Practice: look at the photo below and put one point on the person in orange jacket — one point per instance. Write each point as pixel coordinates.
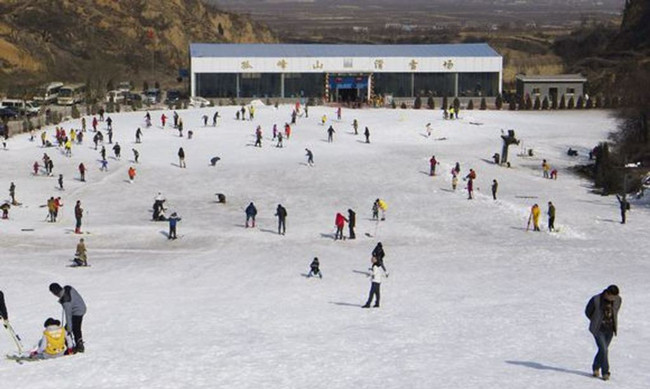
(339, 221)
(131, 173)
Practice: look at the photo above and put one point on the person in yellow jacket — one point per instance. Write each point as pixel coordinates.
(68, 148)
(534, 215)
(54, 343)
(383, 207)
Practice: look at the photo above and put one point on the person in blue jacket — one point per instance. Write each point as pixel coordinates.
(173, 220)
(251, 212)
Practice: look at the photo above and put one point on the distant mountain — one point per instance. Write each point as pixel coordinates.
(86, 40)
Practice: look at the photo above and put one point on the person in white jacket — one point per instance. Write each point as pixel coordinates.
(376, 275)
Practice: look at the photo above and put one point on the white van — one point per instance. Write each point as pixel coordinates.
(20, 106)
(48, 93)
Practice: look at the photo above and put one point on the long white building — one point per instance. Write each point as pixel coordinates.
(344, 72)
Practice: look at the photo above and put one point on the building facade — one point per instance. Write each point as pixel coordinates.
(343, 72)
(568, 85)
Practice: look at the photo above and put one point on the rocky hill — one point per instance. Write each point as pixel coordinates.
(95, 41)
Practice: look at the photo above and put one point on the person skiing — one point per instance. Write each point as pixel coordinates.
(215, 117)
(281, 213)
(12, 193)
(104, 166)
(457, 168)
(35, 167)
(109, 123)
(375, 210)
(110, 136)
(80, 256)
(310, 157)
(136, 155)
(95, 123)
(352, 222)
(429, 129)
(339, 221)
(323, 120)
(116, 150)
(3, 308)
(470, 177)
(624, 205)
(551, 217)
(82, 172)
(54, 343)
(375, 286)
(131, 173)
(383, 207)
(495, 187)
(243, 113)
(5, 210)
(294, 114)
(214, 160)
(279, 144)
(258, 136)
(314, 269)
(181, 158)
(180, 127)
(546, 168)
(534, 216)
(432, 165)
(366, 133)
(163, 119)
(138, 135)
(173, 220)
(78, 214)
(74, 308)
(60, 180)
(338, 113)
(355, 125)
(602, 312)
(330, 134)
(287, 130)
(251, 212)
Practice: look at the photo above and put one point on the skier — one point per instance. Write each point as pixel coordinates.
(352, 222)
(367, 135)
(545, 169)
(180, 127)
(136, 155)
(54, 343)
(110, 136)
(383, 207)
(104, 166)
(214, 160)
(355, 125)
(495, 186)
(251, 112)
(275, 131)
(138, 135)
(102, 152)
(109, 124)
(470, 177)
(258, 136)
(74, 308)
(375, 210)
(243, 113)
(83, 124)
(428, 129)
(602, 311)
(215, 117)
(205, 120)
(279, 144)
(43, 138)
(310, 157)
(624, 205)
(101, 114)
(378, 252)
(432, 165)
(293, 117)
(80, 256)
(457, 168)
(251, 212)
(338, 113)
(51, 210)
(181, 158)
(323, 120)
(78, 214)
(330, 134)
(287, 130)
(5, 210)
(131, 174)
(60, 182)
(176, 119)
(551, 216)
(3, 309)
(116, 150)
(12, 193)
(281, 213)
(534, 216)
(173, 220)
(339, 221)
(95, 123)
(553, 174)
(314, 269)
(375, 286)
(163, 119)
(35, 167)
(82, 172)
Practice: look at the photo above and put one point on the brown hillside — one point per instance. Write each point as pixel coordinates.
(98, 40)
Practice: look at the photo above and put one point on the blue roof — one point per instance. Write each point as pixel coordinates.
(339, 50)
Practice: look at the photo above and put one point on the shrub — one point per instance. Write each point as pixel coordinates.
(571, 104)
(483, 104)
(615, 102)
(470, 105)
(393, 104)
(554, 102)
(580, 104)
(607, 102)
(456, 103)
(75, 112)
(589, 104)
(498, 102)
(521, 103)
(512, 105)
(529, 103)
(599, 101)
(562, 103)
(431, 103)
(538, 104)
(403, 106)
(445, 103)
(417, 104)
(545, 103)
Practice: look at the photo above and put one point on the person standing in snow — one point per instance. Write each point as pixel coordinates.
(116, 149)
(534, 217)
(366, 133)
(383, 207)
(376, 273)
(279, 144)
(138, 135)
(3, 308)
(551, 217)
(375, 210)
(339, 221)
(428, 129)
(281, 213)
(624, 205)
(181, 158)
(314, 269)
(258, 136)
(546, 168)
(378, 252)
(215, 117)
(495, 187)
(470, 177)
(338, 113)
(330, 134)
(78, 214)
(173, 220)
(602, 312)
(12, 193)
(432, 164)
(82, 172)
(251, 212)
(355, 125)
(352, 222)
(310, 157)
(136, 155)
(131, 173)
(60, 182)
(74, 308)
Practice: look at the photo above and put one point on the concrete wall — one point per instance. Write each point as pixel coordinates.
(526, 88)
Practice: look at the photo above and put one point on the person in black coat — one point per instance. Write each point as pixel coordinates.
(3, 308)
(352, 222)
(281, 213)
(378, 252)
(251, 211)
(624, 205)
(602, 312)
(315, 269)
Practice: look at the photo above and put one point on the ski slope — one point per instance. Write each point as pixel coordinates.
(473, 300)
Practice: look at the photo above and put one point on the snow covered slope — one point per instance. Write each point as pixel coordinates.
(472, 300)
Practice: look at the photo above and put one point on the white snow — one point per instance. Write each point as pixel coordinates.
(472, 301)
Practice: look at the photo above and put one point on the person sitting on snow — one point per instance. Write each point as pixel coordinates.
(54, 343)
(314, 269)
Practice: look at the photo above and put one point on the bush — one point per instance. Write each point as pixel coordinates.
(599, 102)
(75, 112)
(538, 104)
(589, 103)
(562, 103)
(445, 103)
(431, 103)
(456, 103)
(483, 104)
(615, 102)
(110, 107)
(403, 106)
(607, 102)
(498, 102)
(545, 103)
(521, 104)
(393, 104)
(529, 103)
(417, 104)
(571, 104)
(580, 104)
(554, 102)
(470, 105)
(512, 105)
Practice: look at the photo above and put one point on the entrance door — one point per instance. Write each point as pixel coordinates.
(349, 88)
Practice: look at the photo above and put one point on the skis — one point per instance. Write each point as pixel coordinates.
(14, 336)
(20, 357)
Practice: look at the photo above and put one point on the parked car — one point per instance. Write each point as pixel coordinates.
(124, 86)
(8, 114)
(22, 107)
(152, 96)
(117, 96)
(130, 98)
(199, 102)
(173, 96)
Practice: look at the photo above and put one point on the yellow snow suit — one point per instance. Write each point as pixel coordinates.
(55, 341)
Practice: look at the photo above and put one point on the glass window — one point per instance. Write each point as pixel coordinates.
(304, 85)
(434, 84)
(216, 84)
(478, 84)
(259, 85)
(570, 90)
(536, 91)
(397, 84)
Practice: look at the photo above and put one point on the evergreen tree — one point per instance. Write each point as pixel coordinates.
(418, 103)
(444, 103)
(554, 102)
(498, 102)
(545, 103)
(431, 103)
(512, 106)
(562, 103)
(580, 104)
(483, 104)
(571, 104)
(470, 105)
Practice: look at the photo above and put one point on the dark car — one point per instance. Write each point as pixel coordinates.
(130, 98)
(8, 113)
